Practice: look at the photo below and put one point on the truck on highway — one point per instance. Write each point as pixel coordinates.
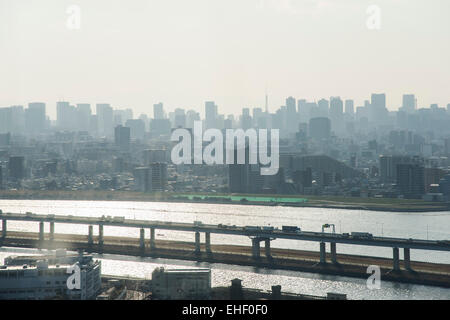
(362, 235)
(119, 219)
(290, 229)
(268, 228)
(252, 228)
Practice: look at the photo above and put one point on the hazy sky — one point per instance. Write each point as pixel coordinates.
(134, 53)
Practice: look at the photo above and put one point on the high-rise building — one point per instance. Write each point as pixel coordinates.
(191, 117)
(336, 114)
(122, 137)
(388, 166)
(303, 113)
(179, 118)
(105, 119)
(323, 107)
(411, 180)
(35, 118)
(409, 103)
(84, 114)
(142, 179)
(159, 176)
(210, 114)
(239, 174)
(16, 167)
(292, 119)
(66, 117)
(17, 119)
(5, 120)
(378, 112)
(246, 119)
(349, 107)
(158, 111)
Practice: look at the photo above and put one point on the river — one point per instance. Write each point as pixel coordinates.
(428, 225)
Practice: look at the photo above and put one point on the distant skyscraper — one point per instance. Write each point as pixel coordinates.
(65, 115)
(210, 114)
(84, 114)
(336, 114)
(302, 111)
(16, 119)
(323, 106)
(409, 103)
(191, 116)
(142, 179)
(179, 118)
(35, 118)
(16, 167)
(122, 137)
(349, 107)
(411, 180)
(159, 176)
(105, 119)
(378, 111)
(246, 119)
(158, 111)
(291, 115)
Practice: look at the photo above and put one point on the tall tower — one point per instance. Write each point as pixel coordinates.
(267, 102)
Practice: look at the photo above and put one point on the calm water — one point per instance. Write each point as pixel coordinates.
(407, 225)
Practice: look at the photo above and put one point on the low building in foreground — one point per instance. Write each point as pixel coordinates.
(181, 284)
(44, 281)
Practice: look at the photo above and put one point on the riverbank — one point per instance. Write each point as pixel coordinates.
(350, 203)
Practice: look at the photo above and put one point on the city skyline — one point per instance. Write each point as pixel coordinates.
(231, 52)
(51, 108)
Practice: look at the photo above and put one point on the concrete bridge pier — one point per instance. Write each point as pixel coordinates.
(208, 242)
(267, 248)
(90, 235)
(4, 221)
(152, 239)
(41, 232)
(197, 242)
(142, 241)
(100, 236)
(256, 249)
(396, 260)
(322, 253)
(333, 252)
(407, 258)
(52, 231)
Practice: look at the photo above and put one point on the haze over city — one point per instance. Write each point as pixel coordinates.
(133, 54)
(224, 150)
